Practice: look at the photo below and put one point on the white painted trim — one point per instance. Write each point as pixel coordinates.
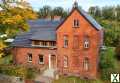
(49, 61)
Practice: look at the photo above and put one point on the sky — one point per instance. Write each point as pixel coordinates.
(67, 4)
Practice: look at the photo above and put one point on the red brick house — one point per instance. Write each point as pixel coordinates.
(70, 46)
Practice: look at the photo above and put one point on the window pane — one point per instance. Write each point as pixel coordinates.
(29, 57)
(86, 64)
(36, 42)
(41, 59)
(86, 42)
(76, 23)
(65, 61)
(65, 41)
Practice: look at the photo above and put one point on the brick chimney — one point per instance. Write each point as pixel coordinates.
(57, 17)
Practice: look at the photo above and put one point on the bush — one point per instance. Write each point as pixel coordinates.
(107, 59)
(117, 52)
(17, 71)
(107, 63)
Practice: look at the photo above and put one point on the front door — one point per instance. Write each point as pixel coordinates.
(53, 61)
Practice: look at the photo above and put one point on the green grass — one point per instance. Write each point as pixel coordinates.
(6, 59)
(73, 79)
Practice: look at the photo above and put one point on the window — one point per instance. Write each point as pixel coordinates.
(41, 59)
(65, 41)
(65, 61)
(36, 42)
(29, 57)
(52, 43)
(43, 43)
(76, 23)
(86, 64)
(76, 41)
(86, 42)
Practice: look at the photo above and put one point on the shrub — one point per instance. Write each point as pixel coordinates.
(107, 63)
(17, 71)
(107, 59)
(117, 52)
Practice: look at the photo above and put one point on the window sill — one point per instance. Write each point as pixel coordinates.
(76, 27)
(41, 63)
(29, 61)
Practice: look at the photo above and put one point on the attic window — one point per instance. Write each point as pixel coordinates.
(76, 23)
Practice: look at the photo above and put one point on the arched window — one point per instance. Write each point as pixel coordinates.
(29, 57)
(65, 61)
(86, 64)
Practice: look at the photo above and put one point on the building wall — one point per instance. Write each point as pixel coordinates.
(76, 56)
(21, 57)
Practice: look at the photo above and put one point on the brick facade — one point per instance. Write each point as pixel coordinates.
(76, 56)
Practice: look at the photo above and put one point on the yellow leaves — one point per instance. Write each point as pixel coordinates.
(12, 20)
(2, 45)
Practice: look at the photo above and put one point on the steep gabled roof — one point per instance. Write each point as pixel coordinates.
(89, 18)
(43, 29)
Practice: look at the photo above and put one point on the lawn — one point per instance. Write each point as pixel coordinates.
(73, 79)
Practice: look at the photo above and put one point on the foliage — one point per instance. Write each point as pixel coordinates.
(107, 59)
(117, 51)
(17, 71)
(72, 79)
(12, 21)
(108, 17)
(107, 63)
(2, 46)
(47, 11)
(6, 60)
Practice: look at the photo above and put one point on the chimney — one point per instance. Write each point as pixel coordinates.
(57, 17)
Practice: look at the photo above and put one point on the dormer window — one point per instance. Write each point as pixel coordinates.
(76, 23)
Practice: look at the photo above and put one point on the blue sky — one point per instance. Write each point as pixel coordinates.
(67, 4)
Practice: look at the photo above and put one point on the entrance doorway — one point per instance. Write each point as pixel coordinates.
(53, 61)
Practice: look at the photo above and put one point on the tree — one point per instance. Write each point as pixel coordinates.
(13, 20)
(45, 12)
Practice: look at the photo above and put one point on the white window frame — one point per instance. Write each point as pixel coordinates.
(39, 59)
(65, 41)
(29, 58)
(65, 62)
(76, 23)
(86, 64)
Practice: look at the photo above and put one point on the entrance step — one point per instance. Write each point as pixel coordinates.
(43, 79)
(49, 73)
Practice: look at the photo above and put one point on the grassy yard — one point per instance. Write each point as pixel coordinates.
(72, 79)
